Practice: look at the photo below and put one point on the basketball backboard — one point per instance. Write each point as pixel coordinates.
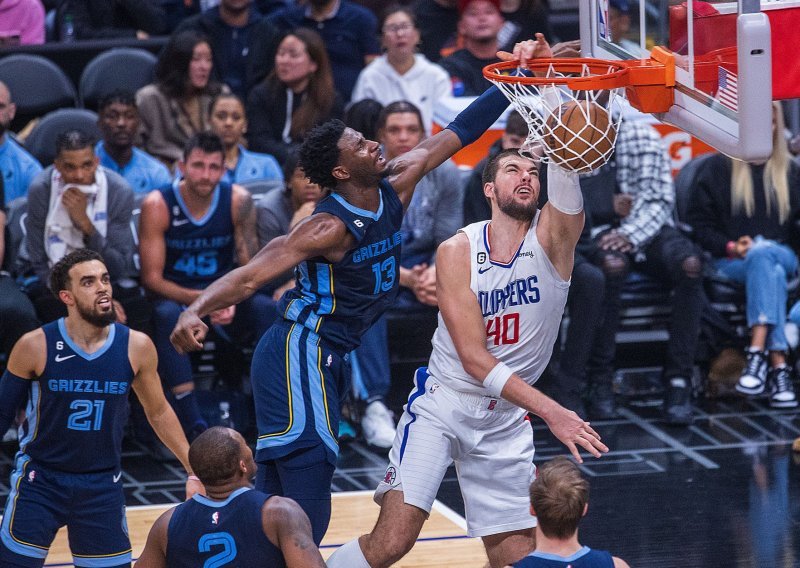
(724, 61)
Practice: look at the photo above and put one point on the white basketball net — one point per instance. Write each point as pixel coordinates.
(555, 133)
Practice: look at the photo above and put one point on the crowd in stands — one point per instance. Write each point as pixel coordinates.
(236, 88)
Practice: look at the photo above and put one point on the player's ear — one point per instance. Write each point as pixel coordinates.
(488, 189)
(533, 511)
(341, 173)
(585, 509)
(243, 468)
(66, 297)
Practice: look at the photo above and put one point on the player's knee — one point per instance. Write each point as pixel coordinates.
(692, 267)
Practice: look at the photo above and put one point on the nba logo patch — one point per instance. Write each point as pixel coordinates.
(215, 518)
(329, 361)
(391, 475)
(31, 476)
(481, 257)
(492, 404)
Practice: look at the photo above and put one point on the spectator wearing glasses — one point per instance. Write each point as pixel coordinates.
(401, 74)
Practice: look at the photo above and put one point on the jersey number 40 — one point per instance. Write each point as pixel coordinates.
(503, 330)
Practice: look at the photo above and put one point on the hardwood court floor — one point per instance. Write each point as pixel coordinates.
(443, 542)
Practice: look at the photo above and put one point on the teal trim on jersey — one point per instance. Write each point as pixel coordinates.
(547, 556)
(21, 548)
(112, 332)
(319, 395)
(203, 500)
(357, 210)
(32, 414)
(179, 198)
(105, 561)
(296, 306)
(297, 408)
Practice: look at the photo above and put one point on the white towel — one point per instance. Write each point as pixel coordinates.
(61, 237)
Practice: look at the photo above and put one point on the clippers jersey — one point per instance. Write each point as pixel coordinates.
(198, 250)
(522, 303)
(340, 301)
(584, 558)
(227, 533)
(78, 407)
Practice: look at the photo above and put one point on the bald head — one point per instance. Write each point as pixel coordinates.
(7, 108)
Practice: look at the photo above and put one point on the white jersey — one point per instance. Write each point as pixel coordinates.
(522, 304)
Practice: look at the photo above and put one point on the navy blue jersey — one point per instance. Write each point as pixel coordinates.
(79, 405)
(198, 250)
(584, 558)
(339, 301)
(226, 533)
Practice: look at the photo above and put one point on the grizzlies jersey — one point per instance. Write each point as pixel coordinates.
(522, 303)
(198, 250)
(584, 558)
(340, 301)
(226, 533)
(78, 407)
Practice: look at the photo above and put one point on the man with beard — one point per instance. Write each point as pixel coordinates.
(348, 252)
(118, 121)
(17, 166)
(247, 527)
(76, 374)
(501, 287)
(193, 231)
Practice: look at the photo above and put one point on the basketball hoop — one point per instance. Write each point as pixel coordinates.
(573, 105)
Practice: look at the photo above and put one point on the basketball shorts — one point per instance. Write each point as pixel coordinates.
(488, 439)
(41, 501)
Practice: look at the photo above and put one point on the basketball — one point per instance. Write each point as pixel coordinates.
(580, 136)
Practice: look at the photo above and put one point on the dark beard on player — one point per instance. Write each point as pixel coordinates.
(515, 210)
(98, 319)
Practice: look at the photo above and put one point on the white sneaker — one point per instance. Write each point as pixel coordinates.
(378, 425)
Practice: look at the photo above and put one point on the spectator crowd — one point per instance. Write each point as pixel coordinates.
(237, 86)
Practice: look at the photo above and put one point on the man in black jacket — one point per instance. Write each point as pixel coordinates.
(242, 41)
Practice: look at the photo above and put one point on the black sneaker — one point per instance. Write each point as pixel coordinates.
(678, 402)
(781, 391)
(754, 375)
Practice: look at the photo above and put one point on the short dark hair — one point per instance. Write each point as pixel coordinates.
(172, 69)
(206, 142)
(393, 9)
(73, 139)
(214, 456)
(559, 495)
(59, 274)
(490, 171)
(398, 107)
(121, 96)
(222, 97)
(363, 116)
(319, 153)
(516, 125)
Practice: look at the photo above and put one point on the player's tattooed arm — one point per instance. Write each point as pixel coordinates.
(244, 229)
(287, 527)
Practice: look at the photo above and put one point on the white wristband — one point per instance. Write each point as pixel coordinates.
(497, 379)
(563, 190)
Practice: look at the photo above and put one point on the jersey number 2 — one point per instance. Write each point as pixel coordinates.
(504, 330)
(385, 273)
(223, 539)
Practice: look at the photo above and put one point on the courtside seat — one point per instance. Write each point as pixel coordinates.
(125, 68)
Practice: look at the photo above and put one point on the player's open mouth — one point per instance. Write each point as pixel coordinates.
(104, 301)
(523, 190)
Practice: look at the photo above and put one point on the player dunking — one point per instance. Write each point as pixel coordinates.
(502, 286)
(348, 255)
(234, 525)
(76, 374)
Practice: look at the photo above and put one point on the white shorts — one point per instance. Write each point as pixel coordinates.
(490, 442)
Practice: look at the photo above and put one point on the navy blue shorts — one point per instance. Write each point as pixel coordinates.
(41, 501)
(297, 383)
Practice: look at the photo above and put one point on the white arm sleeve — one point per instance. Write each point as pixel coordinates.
(563, 190)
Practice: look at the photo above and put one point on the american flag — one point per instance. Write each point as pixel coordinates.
(727, 92)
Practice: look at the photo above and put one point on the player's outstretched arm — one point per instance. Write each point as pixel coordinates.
(25, 362)
(467, 127)
(462, 315)
(154, 554)
(318, 235)
(147, 385)
(562, 218)
(287, 527)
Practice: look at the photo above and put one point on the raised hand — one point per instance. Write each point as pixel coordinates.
(529, 49)
(189, 333)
